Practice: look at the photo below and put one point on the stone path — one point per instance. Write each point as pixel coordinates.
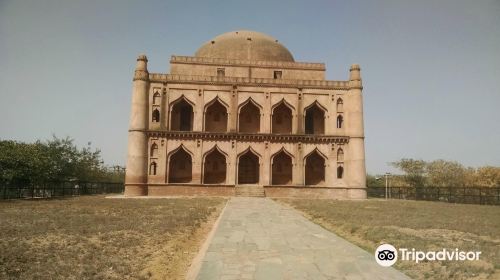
(258, 238)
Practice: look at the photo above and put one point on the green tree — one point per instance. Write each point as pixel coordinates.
(441, 173)
(414, 171)
(488, 176)
(53, 160)
(374, 181)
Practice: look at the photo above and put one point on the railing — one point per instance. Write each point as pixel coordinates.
(262, 63)
(470, 195)
(158, 77)
(59, 189)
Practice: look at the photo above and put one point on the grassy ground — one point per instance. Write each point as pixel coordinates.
(416, 224)
(99, 238)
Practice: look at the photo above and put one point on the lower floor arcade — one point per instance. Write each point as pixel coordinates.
(235, 162)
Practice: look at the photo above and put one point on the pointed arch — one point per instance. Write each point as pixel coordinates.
(315, 165)
(316, 103)
(215, 116)
(283, 101)
(216, 99)
(251, 150)
(282, 117)
(249, 100)
(282, 150)
(217, 148)
(152, 168)
(182, 114)
(181, 98)
(316, 150)
(340, 154)
(155, 115)
(248, 167)
(249, 116)
(180, 165)
(153, 152)
(340, 121)
(156, 98)
(181, 147)
(214, 166)
(314, 118)
(340, 105)
(281, 167)
(340, 172)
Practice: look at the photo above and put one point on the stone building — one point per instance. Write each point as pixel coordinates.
(242, 117)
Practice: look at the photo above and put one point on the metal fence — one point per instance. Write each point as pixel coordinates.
(471, 195)
(59, 189)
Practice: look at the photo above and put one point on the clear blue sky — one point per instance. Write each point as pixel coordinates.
(431, 69)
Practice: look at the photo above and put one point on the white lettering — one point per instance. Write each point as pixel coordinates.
(420, 256)
(441, 255)
(403, 254)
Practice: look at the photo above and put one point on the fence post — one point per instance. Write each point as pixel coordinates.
(480, 196)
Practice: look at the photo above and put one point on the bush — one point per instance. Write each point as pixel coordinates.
(52, 160)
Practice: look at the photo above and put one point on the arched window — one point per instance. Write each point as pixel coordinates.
(180, 167)
(340, 121)
(281, 169)
(248, 168)
(340, 155)
(282, 119)
(340, 172)
(214, 169)
(154, 150)
(156, 99)
(314, 169)
(249, 118)
(314, 120)
(152, 168)
(182, 116)
(216, 117)
(340, 105)
(156, 115)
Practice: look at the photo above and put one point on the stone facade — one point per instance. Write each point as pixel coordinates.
(243, 112)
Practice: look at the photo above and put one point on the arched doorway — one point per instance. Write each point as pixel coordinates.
(216, 117)
(214, 168)
(281, 169)
(282, 119)
(180, 167)
(249, 118)
(314, 169)
(182, 116)
(314, 120)
(248, 168)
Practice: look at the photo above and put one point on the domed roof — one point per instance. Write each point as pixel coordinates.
(245, 45)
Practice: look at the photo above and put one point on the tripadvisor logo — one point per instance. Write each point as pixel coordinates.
(387, 255)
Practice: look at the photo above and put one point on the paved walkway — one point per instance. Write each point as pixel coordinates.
(258, 238)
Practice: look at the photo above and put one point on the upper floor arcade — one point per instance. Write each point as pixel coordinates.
(219, 109)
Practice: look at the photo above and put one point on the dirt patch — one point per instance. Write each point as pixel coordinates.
(173, 260)
(98, 238)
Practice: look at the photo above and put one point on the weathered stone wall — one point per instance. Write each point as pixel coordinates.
(155, 125)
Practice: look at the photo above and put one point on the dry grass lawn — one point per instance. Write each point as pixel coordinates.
(416, 224)
(97, 238)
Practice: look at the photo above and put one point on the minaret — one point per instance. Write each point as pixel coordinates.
(137, 165)
(355, 169)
